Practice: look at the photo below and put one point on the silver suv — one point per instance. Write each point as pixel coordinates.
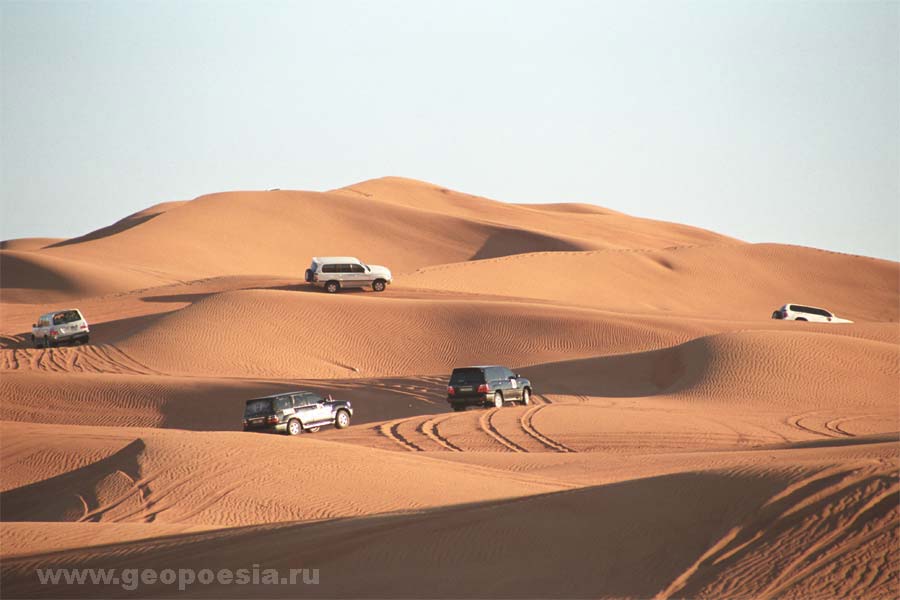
(336, 272)
(60, 327)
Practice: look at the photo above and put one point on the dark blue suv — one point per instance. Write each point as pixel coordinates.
(486, 386)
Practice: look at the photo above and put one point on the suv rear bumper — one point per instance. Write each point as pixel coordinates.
(471, 400)
(72, 337)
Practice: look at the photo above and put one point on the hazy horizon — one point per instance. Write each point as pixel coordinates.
(766, 122)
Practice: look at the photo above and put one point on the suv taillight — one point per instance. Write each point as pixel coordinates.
(272, 420)
(450, 390)
(484, 388)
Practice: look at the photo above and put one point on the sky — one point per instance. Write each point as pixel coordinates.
(766, 121)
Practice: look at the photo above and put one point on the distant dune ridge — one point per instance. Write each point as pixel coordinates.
(680, 442)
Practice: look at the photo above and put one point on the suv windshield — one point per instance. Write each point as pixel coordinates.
(67, 316)
(466, 376)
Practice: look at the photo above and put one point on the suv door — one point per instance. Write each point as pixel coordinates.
(304, 408)
(360, 277)
(319, 411)
(515, 392)
(494, 377)
(344, 275)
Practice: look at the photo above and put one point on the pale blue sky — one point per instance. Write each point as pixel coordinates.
(768, 121)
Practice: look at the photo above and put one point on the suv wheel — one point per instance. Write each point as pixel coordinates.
(294, 427)
(498, 400)
(459, 407)
(378, 285)
(526, 396)
(332, 286)
(342, 421)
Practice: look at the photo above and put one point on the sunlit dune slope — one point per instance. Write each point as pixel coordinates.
(287, 334)
(708, 533)
(26, 244)
(765, 369)
(600, 227)
(404, 224)
(734, 281)
(227, 479)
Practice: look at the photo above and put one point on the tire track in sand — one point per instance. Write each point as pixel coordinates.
(527, 425)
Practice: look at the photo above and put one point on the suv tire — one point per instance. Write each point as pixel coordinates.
(294, 427)
(332, 287)
(526, 397)
(378, 285)
(342, 419)
(458, 407)
(498, 400)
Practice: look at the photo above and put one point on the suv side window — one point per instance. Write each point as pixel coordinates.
(494, 374)
(329, 269)
(357, 269)
(300, 400)
(344, 269)
(507, 374)
(314, 398)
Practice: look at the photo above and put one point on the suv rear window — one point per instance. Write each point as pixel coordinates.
(67, 316)
(258, 407)
(266, 406)
(466, 376)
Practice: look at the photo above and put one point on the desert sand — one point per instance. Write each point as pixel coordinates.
(680, 443)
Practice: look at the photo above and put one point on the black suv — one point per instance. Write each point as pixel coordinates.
(296, 412)
(486, 386)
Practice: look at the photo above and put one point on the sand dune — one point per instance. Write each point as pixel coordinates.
(26, 244)
(752, 279)
(680, 443)
(220, 234)
(285, 479)
(272, 333)
(27, 276)
(717, 532)
(598, 227)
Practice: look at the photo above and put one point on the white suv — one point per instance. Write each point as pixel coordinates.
(59, 327)
(798, 312)
(336, 272)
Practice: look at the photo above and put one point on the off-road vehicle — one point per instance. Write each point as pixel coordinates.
(487, 386)
(295, 412)
(334, 273)
(60, 327)
(798, 312)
